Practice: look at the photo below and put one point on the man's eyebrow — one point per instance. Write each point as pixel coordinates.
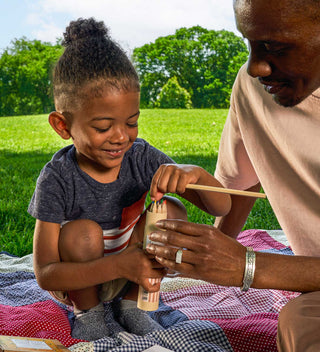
(111, 118)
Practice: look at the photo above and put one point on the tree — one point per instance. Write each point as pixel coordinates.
(205, 63)
(25, 77)
(172, 95)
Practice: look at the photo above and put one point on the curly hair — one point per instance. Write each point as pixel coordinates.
(91, 62)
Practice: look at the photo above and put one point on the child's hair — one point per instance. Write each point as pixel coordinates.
(91, 62)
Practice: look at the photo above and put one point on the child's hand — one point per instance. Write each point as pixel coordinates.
(137, 266)
(173, 178)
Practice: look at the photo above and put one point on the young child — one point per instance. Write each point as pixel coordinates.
(89, 199)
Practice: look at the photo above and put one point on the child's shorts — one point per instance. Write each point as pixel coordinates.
(107, 292)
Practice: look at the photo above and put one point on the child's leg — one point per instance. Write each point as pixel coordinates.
(175, 208)
(81, 241)
(133, 319)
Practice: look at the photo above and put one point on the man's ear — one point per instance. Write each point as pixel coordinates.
(59, 123)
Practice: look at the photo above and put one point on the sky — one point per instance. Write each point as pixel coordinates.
(132, 23)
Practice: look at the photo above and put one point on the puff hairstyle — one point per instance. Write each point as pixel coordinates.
(90, 62)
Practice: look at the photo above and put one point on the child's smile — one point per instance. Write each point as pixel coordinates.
(115, 153)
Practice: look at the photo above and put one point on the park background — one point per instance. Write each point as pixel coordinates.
(186, 81)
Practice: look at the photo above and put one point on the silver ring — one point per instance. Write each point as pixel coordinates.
(179, 256)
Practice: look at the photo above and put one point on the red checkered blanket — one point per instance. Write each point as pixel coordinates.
(248, 320)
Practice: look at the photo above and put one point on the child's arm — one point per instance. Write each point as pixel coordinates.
(54, 275)
(173, 178)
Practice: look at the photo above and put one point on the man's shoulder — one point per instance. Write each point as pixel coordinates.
(248, 91)
(246, 82)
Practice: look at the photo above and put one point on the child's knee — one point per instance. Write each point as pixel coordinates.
(81, 240)
(175, 208)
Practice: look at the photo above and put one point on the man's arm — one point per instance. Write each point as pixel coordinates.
(212, 256)
(232, 223)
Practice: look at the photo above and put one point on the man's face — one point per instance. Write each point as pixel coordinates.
(284, 46)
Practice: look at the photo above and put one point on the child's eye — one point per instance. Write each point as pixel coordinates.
(133, 124)
(101, 130)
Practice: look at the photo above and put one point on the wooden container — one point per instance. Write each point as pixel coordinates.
(29, 344)
(149, 301)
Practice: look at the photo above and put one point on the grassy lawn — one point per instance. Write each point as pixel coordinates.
(28, 142)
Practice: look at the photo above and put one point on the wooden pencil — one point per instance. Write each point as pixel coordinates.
(226, 190)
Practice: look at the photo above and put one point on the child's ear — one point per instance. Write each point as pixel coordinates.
(59, 123)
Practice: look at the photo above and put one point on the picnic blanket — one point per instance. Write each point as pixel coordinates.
(197, 316)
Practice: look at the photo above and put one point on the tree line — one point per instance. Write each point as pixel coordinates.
(25, 77)
(193, 68)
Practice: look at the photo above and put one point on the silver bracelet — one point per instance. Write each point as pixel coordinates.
(249, 269)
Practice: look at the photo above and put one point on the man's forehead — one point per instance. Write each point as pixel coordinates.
(289, 5)
(278, 12)
(257, 4)
(271, 20)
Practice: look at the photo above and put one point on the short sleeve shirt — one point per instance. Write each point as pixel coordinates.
(64, 192)
(278, 146)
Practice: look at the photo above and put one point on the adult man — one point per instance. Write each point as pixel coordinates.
(270, 139)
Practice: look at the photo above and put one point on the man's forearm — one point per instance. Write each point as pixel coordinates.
(287, 272)
(233, 222)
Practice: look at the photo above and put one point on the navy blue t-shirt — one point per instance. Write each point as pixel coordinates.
(64, 192)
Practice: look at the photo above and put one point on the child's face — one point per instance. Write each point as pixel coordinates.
(103, 131)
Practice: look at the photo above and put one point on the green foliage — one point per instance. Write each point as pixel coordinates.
(25, 77)
(172, 95)
(28, 142)
(205, 63)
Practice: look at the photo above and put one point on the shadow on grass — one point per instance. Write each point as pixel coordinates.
(18, 175)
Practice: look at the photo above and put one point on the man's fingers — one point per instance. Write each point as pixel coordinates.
(172, 254)
(188, 237)
(186, 268)
(185, 227)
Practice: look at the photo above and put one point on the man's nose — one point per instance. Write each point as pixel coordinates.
(258, 65)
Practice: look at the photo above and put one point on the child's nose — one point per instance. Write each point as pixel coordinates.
(119, 135)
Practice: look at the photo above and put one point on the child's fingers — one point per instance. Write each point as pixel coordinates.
(168, 179)
(154, 192)
(163, 178)
(151, 285)
(157, 196)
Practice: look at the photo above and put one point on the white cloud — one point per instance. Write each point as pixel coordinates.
(133, 23)
(44, 31)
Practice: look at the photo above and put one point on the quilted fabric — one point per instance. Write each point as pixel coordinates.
(197, 316)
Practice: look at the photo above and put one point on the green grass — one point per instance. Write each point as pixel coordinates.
(28, 142)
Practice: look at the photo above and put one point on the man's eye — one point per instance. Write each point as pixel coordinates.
(274, 49)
